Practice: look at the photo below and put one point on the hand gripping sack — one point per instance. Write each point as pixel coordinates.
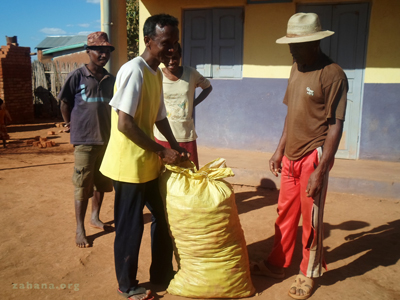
(208, 239)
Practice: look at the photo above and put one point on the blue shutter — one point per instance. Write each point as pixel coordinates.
(197, 38)
(227, 43)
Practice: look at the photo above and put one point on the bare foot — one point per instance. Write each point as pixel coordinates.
(302, 287)
(144, 296)
(81, 240)
(97, 224)
(140, 293)
(296, 291)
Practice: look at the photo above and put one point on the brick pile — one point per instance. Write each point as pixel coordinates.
(41, 142)
(16, 82)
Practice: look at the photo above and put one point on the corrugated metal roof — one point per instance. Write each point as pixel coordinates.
(63, 48)
(61, 41)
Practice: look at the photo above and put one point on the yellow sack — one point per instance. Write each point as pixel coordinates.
(209, 242)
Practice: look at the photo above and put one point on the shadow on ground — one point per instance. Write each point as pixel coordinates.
(108, 229)
(41, 124)
(380, 244)
(262, 197)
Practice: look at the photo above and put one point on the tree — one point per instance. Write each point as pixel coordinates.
(132, 27)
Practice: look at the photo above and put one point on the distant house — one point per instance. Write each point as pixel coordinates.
(63, 49)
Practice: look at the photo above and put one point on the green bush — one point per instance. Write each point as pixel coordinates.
(132, 26)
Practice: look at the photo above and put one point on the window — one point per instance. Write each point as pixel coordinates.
(213, 41)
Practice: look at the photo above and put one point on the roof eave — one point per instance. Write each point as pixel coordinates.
(62, 48)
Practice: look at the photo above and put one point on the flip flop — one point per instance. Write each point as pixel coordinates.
(263, 270)
(136, 291)
(302, 283)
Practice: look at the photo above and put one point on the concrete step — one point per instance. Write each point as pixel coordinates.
(366, 177)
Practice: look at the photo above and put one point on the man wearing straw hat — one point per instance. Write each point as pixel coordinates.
(316, 103)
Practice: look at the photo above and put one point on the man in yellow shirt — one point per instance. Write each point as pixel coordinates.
(132, 158)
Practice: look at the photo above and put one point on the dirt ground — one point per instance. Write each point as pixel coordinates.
(37, 250)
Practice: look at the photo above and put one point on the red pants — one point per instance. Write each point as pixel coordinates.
(191, 147)
(292, 203)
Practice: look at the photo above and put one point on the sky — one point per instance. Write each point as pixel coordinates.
(32, 21)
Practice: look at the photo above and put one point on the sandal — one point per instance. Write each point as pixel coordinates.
(302, 283)
(259, 268)
(136, 292)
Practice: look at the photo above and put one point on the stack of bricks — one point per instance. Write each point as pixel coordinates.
(16, 82)
(41, 142)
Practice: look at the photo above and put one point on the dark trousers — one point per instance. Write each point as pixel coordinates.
(130, 199)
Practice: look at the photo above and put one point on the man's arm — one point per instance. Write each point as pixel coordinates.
(203, 95)
(66, 113)
(164, 127)
(128, 127)
(275, 163)
(330, 147)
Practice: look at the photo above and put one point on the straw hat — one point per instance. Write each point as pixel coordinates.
(303, 27)
(98, 39)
